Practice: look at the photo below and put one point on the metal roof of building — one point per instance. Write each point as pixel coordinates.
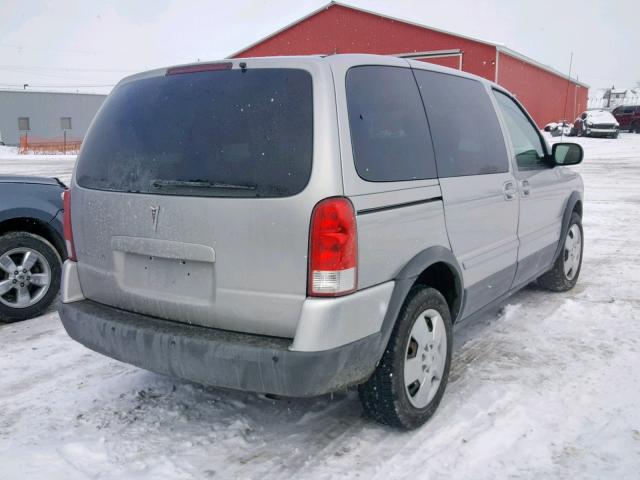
(499, 46)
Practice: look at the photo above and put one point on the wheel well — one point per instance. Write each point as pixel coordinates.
(444, 278)
(578, 208)
(37, 227)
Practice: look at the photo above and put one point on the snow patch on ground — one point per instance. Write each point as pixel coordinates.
(11, 162)
(546, 387)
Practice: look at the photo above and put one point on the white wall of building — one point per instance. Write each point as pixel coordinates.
(44, 110)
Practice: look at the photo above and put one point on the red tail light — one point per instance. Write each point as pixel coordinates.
(68, 231)
(333, 249)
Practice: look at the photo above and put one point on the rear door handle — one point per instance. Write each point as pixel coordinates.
(526, 188)
(510, 190)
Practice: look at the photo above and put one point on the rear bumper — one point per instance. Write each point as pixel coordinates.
(218, 357)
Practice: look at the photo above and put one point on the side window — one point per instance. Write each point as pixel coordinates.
(389, 130)
(524, 136)
(23, 123)
(464, 125)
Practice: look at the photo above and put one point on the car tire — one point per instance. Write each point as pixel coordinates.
(635, 127)
(420, 346)
(566, 269)
(42, 261)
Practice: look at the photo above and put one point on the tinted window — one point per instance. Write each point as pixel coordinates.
(389, 130)
(464, 125)
(215, 133)
(524, 136)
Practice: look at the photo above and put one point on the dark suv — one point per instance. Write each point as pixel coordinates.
(628, 116)
(32, 245)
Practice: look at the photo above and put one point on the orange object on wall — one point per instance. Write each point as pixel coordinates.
(29, 144)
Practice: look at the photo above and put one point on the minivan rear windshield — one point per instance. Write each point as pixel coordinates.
(226, 133)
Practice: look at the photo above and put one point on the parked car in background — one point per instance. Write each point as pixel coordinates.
(628, 117)
(328, 233)
(596, 123)
(562, 127)
(32, 245)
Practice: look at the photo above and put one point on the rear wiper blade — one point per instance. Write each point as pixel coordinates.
(200, 184)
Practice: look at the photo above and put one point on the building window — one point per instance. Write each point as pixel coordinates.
(23, 123)
(65, 123)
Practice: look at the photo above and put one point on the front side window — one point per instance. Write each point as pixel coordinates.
(524, 136)
(464, 125)
(389, 130)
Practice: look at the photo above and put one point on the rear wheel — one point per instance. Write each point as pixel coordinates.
(409, 382)
(635, 127)
(30, 270)
(564, 274)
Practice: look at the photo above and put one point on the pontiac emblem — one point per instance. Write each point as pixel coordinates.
(155, 213)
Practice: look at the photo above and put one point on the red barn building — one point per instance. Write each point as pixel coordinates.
(338, 28)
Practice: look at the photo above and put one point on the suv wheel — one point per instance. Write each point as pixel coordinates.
(30, 270)
(409, 382)
(564, 274)
(635, 127)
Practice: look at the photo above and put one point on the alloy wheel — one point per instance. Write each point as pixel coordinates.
(25, 277)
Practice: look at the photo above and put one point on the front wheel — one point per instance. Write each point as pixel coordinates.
(30, 270)
(409, 382)
(564, 274)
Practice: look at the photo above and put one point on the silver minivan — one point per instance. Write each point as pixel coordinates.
(299, 225)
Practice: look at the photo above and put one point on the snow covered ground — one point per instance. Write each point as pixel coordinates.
(547, 387)
(45, 165)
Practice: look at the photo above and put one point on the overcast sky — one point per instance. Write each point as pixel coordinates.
(89, 43)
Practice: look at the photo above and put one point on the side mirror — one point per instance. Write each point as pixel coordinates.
(567, 153)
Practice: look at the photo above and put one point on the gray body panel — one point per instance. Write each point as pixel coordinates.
(540, 222)
(482, 226)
